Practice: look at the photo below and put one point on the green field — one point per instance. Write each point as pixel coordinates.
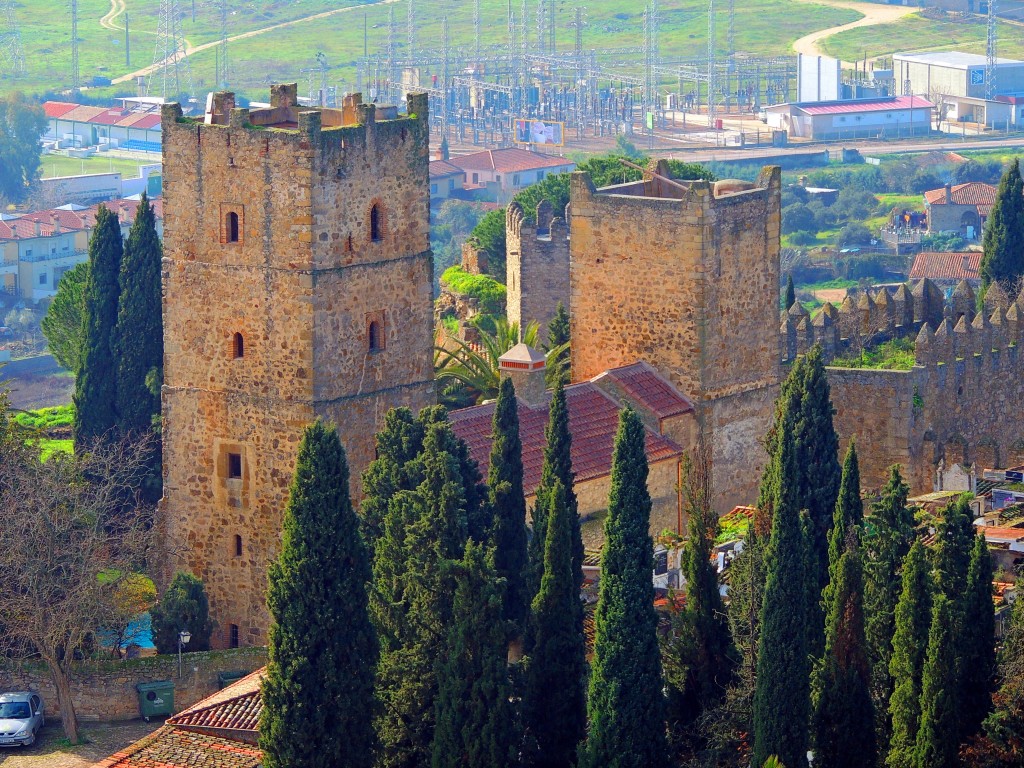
(764, 27)
(60, 165)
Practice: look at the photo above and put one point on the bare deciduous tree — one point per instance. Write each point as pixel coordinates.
(71, 534)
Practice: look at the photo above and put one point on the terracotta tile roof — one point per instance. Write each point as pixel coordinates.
(508, 160)
(972, 193)
(865, 105)
(236, 708)
(593, 421)
(169, 747)
(24, 226)
(441, 168)
(57, 108)
(997, 534)
(648, 389)
(101, 115)
(946, 266)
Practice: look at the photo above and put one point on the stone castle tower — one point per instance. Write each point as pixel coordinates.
(685, 276)
(536, 265)
(297, 284)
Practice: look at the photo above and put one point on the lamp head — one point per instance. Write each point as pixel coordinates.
(184, 636)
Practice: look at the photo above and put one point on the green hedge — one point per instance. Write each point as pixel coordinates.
(488, 292)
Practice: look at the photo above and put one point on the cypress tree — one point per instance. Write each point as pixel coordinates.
(95, 387)
(937, 736)
(139, 335)
(424, 534)
(913, 618)
(782, 691)
(848, 517)
(954, 538)
(1003, 242)
(555, 699)
(557, 468)
(790, 299)
(977, 641)
(505, 480)
(626, 707)
(318, 692)
(475, 721)
(844, 727)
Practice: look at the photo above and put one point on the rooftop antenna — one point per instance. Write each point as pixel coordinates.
(990, 53)
(172, 75)
(10, 39)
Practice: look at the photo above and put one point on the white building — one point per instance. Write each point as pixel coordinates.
(506, 171)
(77, 125)
(891, 116)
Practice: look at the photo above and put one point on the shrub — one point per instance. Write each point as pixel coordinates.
(488, 292)
(798, 217)
(943, 241)
(803, 237)
(854, 234)
(183, 607)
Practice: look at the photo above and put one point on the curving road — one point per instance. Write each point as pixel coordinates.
(873, 14)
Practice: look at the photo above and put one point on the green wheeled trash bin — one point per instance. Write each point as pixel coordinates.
(156, 699)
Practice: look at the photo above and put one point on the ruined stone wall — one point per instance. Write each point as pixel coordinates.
(536, 266)
(331, 304)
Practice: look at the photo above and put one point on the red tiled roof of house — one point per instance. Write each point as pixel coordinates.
(170, 747)
(946, 265)
(646, 387)
(972, 193)
(593, 421)
(24, 226)
(237, 707)
(441, 168)
(57, 108)
(1000, 534)
(507, 160)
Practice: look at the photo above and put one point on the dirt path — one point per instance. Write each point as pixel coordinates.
(873, 14)
(189, 50)
(117, 7)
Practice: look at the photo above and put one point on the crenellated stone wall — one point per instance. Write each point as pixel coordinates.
(536, 265)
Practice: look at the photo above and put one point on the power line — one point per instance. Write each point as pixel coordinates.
(172, 75)
(10, 40)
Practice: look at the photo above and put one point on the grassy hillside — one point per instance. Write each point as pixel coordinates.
(765, 27)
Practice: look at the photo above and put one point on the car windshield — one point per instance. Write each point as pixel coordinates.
(15, 710)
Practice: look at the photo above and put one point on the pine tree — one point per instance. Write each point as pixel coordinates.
(844, 727)
(954, 538)
(475, 720)
(625, 706)
(848, 517)
(505, 480)
(318, 691)
(790, 299)
(1003, 241)
(183, 606)
(557, 468)
(976, 642)
(139, 334)
(937, 736)
(782, 692)
(558, 335)
(95, 387)
(913, 618)
(424, 535)
(555, 699)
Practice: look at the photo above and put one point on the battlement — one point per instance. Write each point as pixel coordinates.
(536, 264)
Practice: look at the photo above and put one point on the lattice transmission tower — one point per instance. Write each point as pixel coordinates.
(171, 75)
(990, 53)
(10, 40)
(221, 75)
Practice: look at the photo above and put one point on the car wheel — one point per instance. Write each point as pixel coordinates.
(31, 739)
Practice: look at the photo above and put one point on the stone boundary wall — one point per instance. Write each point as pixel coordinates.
(105, 690)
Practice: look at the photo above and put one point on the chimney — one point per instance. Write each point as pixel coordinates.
(39, 228)
(525, 366)
(967, 263)
(949, 193)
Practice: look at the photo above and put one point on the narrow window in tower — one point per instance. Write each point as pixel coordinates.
(232, 227)
(375, 337)
(233, 636)
(238, 545)
(375, 223)
(235, 466)
(237, 346)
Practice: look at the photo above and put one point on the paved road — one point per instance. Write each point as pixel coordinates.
(873, 14)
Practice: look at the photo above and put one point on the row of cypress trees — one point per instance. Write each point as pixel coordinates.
(447, 638)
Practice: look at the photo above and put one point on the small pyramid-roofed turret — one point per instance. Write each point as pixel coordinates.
(996, 296)
(848, 304)
(962, 326)
(829, 309)
(924, 353)
(963, 288)
(884, 299)
(864, 302)
(823, 319)
(981, 322)
(798, 310)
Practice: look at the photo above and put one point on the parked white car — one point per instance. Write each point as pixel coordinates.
(21, 717)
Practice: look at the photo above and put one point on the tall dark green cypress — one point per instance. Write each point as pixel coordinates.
(848, 517)
(782, 692)
(938, 735)
(1003, 242)
(505, 480)
(790, 299)
(475, 719)
(909, 644)
(318, 693)
(95, 395)
(139, 335)
(954, 537)
(844, 719)
(554, 702)
(976, 643)
(626, 707)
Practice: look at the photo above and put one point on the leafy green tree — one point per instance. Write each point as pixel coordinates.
(790, 298)
(554, 702)
(95, 388)
(183, 606)
(1003, 741)
(937, 737)
(976, 643)
(139, 334)
(489, 235)
(626, 707)
(505, 480)
(848, 517)
(798, 218)
(854, 234)
(317, 695)
(21, 125)
(558, 347)
(913, 619)
(844, 727)
(782, 692)
(475, 719)
(1003, 242)
(64, 323)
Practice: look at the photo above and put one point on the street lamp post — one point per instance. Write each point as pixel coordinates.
(183, 637)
